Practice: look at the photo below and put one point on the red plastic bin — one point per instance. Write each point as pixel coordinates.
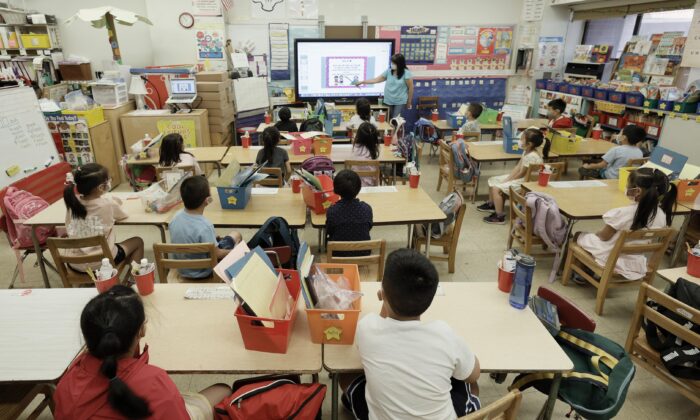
(319, 201)
(274, 339)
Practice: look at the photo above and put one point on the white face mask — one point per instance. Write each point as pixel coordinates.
(108, 186)
(393, 66)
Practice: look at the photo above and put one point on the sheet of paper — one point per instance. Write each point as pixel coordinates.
(240, 60)
(282, 300)
(256, 284)
(236, 254)
(382, 189)
(312, 134)
(288, 136)
(210, 293)
(652, 165)
(689, 172)
(577, 184)
(264, 191)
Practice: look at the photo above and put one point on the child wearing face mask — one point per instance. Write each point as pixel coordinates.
(652, 199)
(555, 113)
(189, 226)
(535, 149)
(91, 213)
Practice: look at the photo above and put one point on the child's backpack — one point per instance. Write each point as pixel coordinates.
(682, 359)
(272, 397)
(465, 168)
(399, 125)
(20, 206)
(312, 124)
(319, 165)
(597, 387)
(425, 130)
(450, 206)
(275, 232)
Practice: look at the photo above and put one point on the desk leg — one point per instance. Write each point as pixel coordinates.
(393, 168)
(334, 395)
(218, 168)
(548, 409)
(476, 187)
(680, 240)
(428, 235)
(410, 235)
(161, 228)
(40, 257)
(564, 249)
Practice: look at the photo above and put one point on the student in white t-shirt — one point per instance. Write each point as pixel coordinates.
(172, 153)
(363, 114)
(653, 198)
(413, 369)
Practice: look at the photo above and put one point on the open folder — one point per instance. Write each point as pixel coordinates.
(304, 261)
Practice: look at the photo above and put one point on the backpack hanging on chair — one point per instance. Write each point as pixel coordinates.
(276, 232)
(425, 131)
(319, 165)
(20, 206)
(465, 168)
(450, 206)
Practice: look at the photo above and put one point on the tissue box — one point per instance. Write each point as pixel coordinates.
(455, 120)
(234, 198)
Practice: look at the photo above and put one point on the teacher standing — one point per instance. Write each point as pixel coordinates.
(398, 90)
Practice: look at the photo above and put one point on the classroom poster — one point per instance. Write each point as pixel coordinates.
(533, 10)
(75, 138)
(418, 44)
(206, 7)
(185, 128)
(279, 51)
(268, 9)
(302, 9)
(211, 39)
(487, 41)
(550, 53)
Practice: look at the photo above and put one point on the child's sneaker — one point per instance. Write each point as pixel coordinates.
(495, 219)
(486, 207)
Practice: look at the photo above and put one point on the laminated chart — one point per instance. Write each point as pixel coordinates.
(345, 72)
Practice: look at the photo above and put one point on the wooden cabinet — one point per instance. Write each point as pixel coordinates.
(113, 115)
(102, 144)
(136, 124)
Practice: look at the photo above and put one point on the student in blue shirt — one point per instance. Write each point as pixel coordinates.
(398, 90)
(189, 226)
(617, 157)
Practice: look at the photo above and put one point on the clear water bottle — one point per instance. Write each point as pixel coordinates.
(522, 281)
(106, 269)
(144, 266)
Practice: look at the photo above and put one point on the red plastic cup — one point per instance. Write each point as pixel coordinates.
(499, 117)
(413, 180)
(693, 265)
(434, 116)
(268, 119)
(387, 140)
(349, 132)
(543, 178)
(245, 141)
(505, 280)
(104, 285)
(144, 282)
(459, 136)
(296, 185)
(382, 117)
(596, 134)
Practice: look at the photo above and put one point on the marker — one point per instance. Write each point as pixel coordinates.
(26, 171)
(48, 162)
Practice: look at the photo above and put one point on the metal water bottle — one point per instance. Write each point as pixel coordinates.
(522, 281)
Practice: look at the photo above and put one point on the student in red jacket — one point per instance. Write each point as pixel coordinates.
(555, 113)
(111, 380)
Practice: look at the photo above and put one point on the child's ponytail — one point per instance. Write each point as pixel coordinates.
(668, 192)
(656, 191)
(83, 180)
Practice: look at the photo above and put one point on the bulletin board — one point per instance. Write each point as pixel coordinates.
(453, 48)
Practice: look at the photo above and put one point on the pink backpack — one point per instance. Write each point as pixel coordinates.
(19, 206)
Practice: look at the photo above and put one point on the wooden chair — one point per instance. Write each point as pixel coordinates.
(448, 241)
(505, 408)
(374, 173)
(533, 171)
(366, 261)
(274, 178)
(652, 242)
(17, 396)
(637, 162)
(447, 167)
(167, 265)
(426, 103)
(279, 255)
(570, 315)
(71, 277)
(471, 136)
(388, 172)
(644, 355)
(521, 224)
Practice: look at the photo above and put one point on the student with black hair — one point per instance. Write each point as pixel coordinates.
(189, 226)
(365, 147)
(412, 368)
(555, 113)
(474, 111)
(652, 198)
(285, 123)
(113, 380)
(609, 167)
(398, 90)
(349, 219)
(91, 212)
(535, 149)
(271, 154)
(363, 114)
(172, 153)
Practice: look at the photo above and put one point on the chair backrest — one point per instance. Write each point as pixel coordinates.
(419, 152)
(165, 262)
(374, 172)
(160, 170)
(445, 156)
(570, 315)
(472, 136)
(654, 245)
(427, 102)
(637, 162)
(533, 171)
(372, 259)
(70, 277)
(505, 408)
(279, 255)
(274, 178)
(457, 227)
(519, 210)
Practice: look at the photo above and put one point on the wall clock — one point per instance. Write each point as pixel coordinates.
(186, 20)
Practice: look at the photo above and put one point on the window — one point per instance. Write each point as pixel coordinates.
(659, 22)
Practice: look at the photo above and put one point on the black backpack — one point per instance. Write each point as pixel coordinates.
(312, 124)
(276, 232)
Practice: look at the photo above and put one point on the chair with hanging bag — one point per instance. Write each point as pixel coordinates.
(311, 124)
(276, 232)
(319, 165)
(426, 132)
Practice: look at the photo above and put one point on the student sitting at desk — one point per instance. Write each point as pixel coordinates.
(172, 153)
(555, 113)
(285, 123)
(113, 380)
(365, 147)
(413, 369)
(363, 114)
(349, 219)
(189, 226)
(617, 157)
(272, 155)
(474, 110)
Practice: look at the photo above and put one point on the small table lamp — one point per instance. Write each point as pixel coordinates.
(138, 89)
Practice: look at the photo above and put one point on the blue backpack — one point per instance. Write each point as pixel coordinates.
(276, 232)
(426, 131)
(465, 167)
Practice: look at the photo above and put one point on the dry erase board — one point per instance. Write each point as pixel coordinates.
(250, 93)
(25, 143)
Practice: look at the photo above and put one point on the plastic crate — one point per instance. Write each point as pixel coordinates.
(455, 120)
(574, 90)
(564, 142)
(110, 94)
(319, 201)
(587, 91)
(666, 105)
(616, 97)
(323, 146)
(634, 99)
(688, 189)
(685, 107)
(600, 94)
(541, 84)
(273, 338)
(301, 146)
(234, 198)
(650, 103)
(325, 329)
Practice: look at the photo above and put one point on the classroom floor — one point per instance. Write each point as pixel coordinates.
(480, 247)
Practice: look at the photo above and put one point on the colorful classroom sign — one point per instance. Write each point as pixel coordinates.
(186, 128)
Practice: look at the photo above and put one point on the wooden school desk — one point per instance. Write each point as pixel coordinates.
(405, 206)
(202, 336)
(672, 274)
(260, 208)
(40, 332)
(340, 128)
(212, 154)
(693, 206)
(55, 215)
(503, 338)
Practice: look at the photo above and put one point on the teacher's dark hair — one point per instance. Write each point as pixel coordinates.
(400, 62)
(110, 323)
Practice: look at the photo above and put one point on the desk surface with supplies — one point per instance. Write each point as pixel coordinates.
(339, 154)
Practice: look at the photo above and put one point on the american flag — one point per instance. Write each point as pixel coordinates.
(227, 4)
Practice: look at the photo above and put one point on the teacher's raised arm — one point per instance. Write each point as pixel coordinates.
(398, 90)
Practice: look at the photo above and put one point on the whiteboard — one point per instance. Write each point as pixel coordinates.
(25, 140)
(250, 93)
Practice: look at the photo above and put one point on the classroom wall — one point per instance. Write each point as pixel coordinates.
(80, 38)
